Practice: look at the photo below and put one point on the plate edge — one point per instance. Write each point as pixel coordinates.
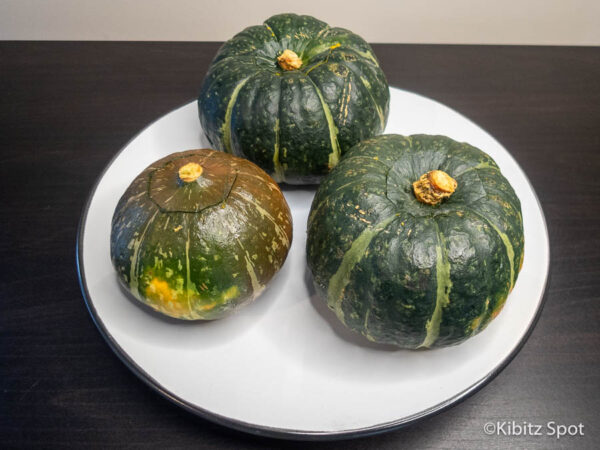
(282, 433)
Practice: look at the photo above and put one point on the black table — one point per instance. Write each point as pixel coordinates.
(67, 107)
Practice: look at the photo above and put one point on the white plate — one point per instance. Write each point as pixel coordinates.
(282, 366)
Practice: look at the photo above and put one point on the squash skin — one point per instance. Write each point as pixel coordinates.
(294, 124)
(200, 250)
(405, 273)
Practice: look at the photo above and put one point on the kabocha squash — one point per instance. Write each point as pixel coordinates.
(199, 233)
(415, 241)
(292, 95)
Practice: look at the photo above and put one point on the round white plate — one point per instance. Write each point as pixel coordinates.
(282, 366)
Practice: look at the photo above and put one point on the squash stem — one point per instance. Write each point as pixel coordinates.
(434, 186)
(190, 172)
(289, 60)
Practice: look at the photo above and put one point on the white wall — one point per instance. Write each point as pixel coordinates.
(559, 22)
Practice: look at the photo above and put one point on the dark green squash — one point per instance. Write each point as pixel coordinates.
(292, 95)
(199, 233)
(408, 273)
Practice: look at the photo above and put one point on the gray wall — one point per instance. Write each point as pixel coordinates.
(559, 22)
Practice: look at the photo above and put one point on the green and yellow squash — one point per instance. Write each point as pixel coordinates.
(292, 95)
(415, 241)
(199, 233)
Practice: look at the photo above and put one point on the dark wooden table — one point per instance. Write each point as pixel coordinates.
(66, 108)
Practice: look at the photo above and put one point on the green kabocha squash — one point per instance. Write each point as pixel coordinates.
(199, 233)
(415, 241)
(292, 95)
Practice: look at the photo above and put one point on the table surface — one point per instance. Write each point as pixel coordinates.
(67, 107)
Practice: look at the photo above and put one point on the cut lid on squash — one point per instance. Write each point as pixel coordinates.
(192, 183)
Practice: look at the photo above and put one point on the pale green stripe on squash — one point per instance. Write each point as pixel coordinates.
(481, 165)
(188, 280)
(341, 278)
(133, 269)
(442, 299)
(367, 86)
(226, 128)
(335, 154)
(478, 321)
(510, 252)
(278, 174)
(264, 213)
(256, 286)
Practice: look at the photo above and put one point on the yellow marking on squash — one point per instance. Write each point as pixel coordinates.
(344, 104)
(271, 30)
(230, 293)
(159, 289)
(164, 298)
(206, 307)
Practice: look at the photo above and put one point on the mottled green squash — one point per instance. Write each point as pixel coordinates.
(199, 233)
(292, 95)
(403, 271)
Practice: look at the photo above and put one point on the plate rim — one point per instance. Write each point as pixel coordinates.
(285, 433)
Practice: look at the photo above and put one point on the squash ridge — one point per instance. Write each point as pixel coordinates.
(280, 231)
(335, 154)
(133, 270)
(444, 285)
(353, 255)
(277, 167)
(256, 287)
(228, 113)
(188, 279)
(510, 251)
(482, 165)
(271, 31)
(370, 95)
